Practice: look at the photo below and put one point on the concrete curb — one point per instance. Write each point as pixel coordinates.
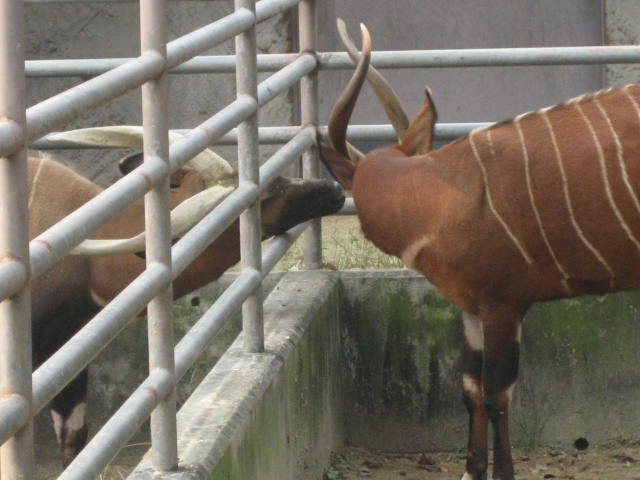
(239, 381)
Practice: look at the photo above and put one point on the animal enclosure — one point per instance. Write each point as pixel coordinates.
(25, 260)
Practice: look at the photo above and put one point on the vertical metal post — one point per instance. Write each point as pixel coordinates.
(158, 226)
(248, 171)
(309, 116)
(16, 455)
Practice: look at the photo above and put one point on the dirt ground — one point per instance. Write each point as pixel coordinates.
(615, 461)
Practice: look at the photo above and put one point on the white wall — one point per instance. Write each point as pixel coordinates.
(470, 94)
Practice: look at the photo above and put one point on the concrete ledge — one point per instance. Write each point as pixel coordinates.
(373, 359)
(274, 415)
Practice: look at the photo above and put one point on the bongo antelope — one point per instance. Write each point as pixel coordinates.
(67, 296)
(543, 206)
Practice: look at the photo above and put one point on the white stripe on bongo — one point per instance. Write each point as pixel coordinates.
(625, 173)
(34, 183)
(410, 253)
(471, 385)
(513, 238)
(604, 167)
(527, 169)
(567, 196)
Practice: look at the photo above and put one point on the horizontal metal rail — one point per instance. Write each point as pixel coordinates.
(202, 64)
(103, 1)
(72, 103)
(68, 105)
(489, 57)
(280, 135)
(462, 58)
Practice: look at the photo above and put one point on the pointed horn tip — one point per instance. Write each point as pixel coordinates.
(366, 38)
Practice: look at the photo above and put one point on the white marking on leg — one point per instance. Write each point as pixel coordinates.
(473, 333)
(471, 385)
(502, 222)
(73, 423)
(57, 424)
(525, 154)
(466, 476)
(510, 392)
(603, 167)
(410, 253)
(567, 197)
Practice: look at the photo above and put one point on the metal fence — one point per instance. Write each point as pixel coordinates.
(24, 394)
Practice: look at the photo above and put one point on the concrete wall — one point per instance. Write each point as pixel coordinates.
(469, 94)
(275, 415)
(622, 27)
(373, 359)
(402, 347)
(58, 30)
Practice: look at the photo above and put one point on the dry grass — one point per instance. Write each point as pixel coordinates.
(343, 247)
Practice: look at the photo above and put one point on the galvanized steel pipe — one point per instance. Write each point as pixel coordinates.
(14, 275)
(209, 36)
(489, 57)
(471, 57)
(309, 116)
(286, 155)
(209, 324)
(285, 78)
(210, 130)
(279, 246)
(50, 246)
(68, 105)
(189, 348)
(16, 455)
(88, 67)
(155, 115)
(15, 412)
(120, 427)
(248, 173)
(193, 243)
(268, 8)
